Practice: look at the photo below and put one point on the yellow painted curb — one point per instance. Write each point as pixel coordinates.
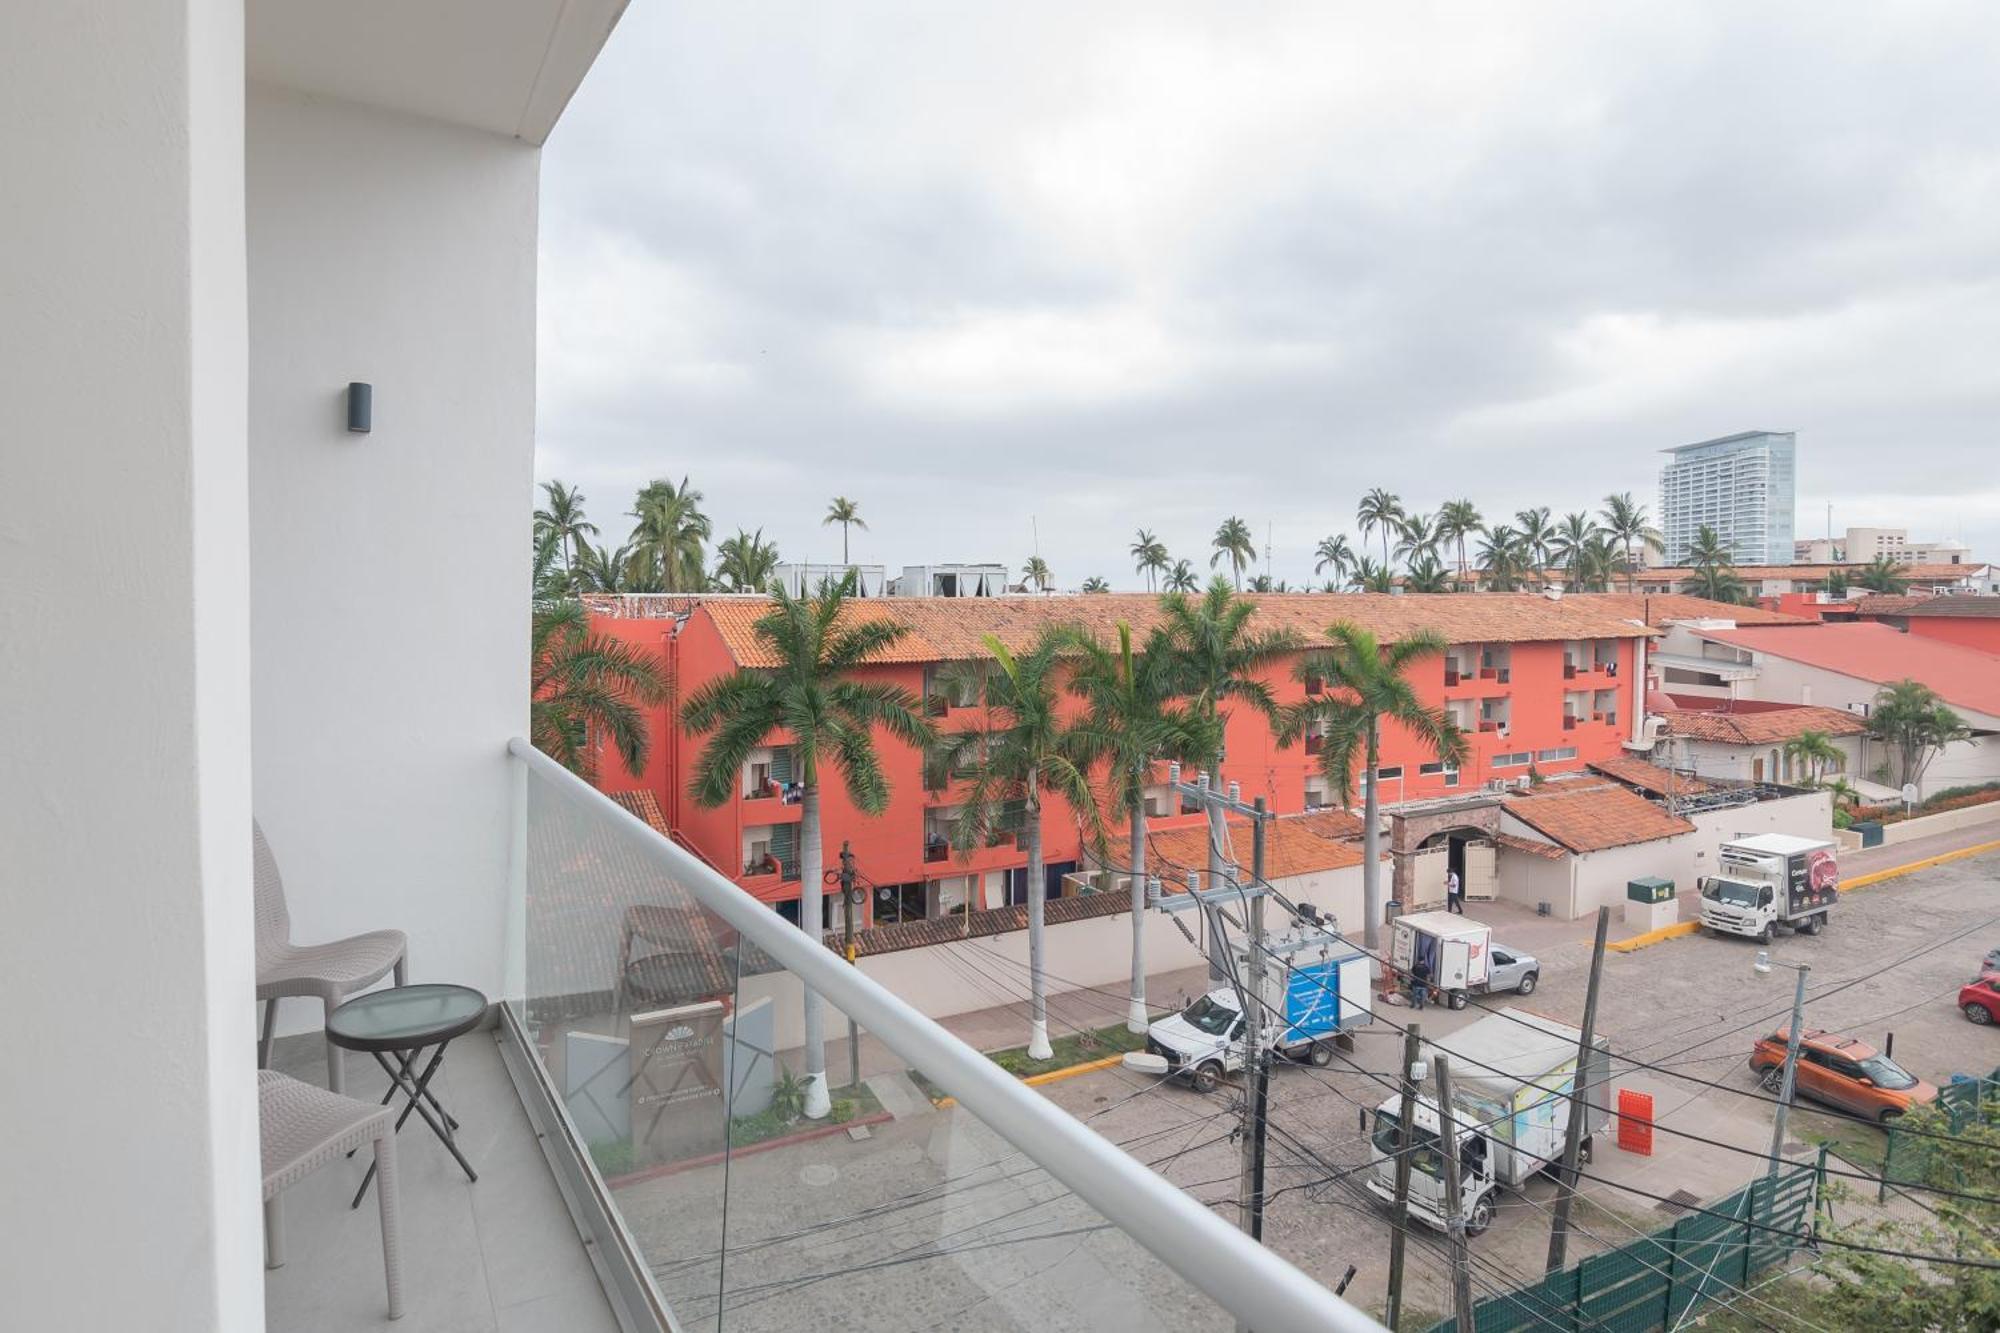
(1050, 1076)
(1654, 936)
(1877, 876)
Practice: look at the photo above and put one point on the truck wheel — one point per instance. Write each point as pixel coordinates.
(1812, 925)
(1769, 932)
(1978, 1013)
(1322, 1053)
(1583, 1149)
(1459, 999)
(1527, 986)
(1482, 1216)
(1207, 1075)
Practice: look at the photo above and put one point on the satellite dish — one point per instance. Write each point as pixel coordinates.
(1145, 1062)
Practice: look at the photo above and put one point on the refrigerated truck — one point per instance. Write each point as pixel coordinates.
(1771, 880)
(1314, 989)
(1513, 1076)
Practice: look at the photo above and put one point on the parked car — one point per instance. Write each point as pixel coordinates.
(1992, 963)
(1843, 1072)
(1979, 1000)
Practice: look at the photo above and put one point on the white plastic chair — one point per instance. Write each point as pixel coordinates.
(301, 1129)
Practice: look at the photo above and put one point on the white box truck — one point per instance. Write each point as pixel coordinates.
(1512, 1076)
(1315, 987)
(1459, 957)
(1771, 880)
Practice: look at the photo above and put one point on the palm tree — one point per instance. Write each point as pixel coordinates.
(1149, 555)
(1712, 569)
(1367, 684)
(1536, 539)
(1096, 584)
(1216, 659)
(1570, 540)
(601, 569)
(1597, 563)
(1882, 574)
(746, 561)
(1036, 571)
(846, 513)
(1457, 520)
(1504, 558)
(1130, 723)
(1333, 553)
(1816, 752)
(1427, 574)
(1627, 522)
(1019, 750)
(830, 719)
(563, 517)
(1416, 535)
(1182, 578)
(1233, 543)
(1367, 576)
(1379, 509)
(585, 687)
(1914, 721)
(667, 545)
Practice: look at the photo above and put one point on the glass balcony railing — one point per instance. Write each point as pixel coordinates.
(658, 1014)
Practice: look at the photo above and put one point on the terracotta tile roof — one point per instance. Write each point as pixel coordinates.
(1763, 726)
(1548, 851)
(1593, 818)
(1974, 607)
(1296, 845)
(645, 805)
(1649, 777)
(993, 921)
(1888, 603)
(954, 629)
(1867, 650)
(647, 605)
(1665, 608)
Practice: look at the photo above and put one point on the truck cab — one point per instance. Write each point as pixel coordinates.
(1203, 1041)
(1476, 1185)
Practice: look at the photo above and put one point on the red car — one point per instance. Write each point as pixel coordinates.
(1980, 1000)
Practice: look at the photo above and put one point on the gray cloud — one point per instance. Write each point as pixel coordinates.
(1113, 266)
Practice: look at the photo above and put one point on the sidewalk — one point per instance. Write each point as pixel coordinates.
(1873, 859)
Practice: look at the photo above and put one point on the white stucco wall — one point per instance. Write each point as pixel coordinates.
(129, 1195)
(389, 571)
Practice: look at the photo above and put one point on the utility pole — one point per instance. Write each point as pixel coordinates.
(1579, 1105)
(1454, 1206)
(1765, 964)
(1256, 1051)
(1399, 1217)
(848, 905)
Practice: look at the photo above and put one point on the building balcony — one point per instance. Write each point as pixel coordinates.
(768, 807)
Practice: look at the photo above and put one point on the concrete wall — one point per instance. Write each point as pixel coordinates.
(1908, 830)
(389, 571)
(129, 1195)
(1709, 759)
(1524, 878)
(989, 971)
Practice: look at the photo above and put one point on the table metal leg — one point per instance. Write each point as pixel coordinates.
(418, 1096)
(401, 1078)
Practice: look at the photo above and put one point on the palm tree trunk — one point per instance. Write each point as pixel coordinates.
(843, 541)
(1371, 856)
(1038, 892)
(812, 920)
(1135, 1019)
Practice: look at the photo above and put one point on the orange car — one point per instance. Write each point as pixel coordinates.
(1842, 1072)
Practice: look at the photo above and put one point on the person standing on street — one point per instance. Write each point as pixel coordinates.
(1454, 893)
(1420, 982)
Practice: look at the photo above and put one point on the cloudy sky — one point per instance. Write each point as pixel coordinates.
(1084, 268)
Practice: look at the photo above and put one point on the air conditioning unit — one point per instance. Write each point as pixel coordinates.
(1496, 784)
(1523, 783)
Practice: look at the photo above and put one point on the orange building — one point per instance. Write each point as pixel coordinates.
(1535, 683)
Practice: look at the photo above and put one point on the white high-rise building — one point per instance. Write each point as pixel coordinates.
(1743, 486)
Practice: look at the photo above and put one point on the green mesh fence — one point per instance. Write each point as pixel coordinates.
(1906, 1157)
(1650, 1283)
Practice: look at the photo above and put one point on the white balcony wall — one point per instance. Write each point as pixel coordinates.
(130, 1191)
(389, 571)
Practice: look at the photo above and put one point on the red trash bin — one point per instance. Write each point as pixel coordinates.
(1635, 1121)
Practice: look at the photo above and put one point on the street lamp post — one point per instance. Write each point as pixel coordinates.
(1763, 965)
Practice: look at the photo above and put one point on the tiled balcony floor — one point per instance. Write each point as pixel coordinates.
(498, 1256)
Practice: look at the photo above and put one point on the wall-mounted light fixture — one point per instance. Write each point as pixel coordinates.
(360, 407)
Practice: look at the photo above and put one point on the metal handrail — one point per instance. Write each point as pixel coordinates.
(1253, 1284)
